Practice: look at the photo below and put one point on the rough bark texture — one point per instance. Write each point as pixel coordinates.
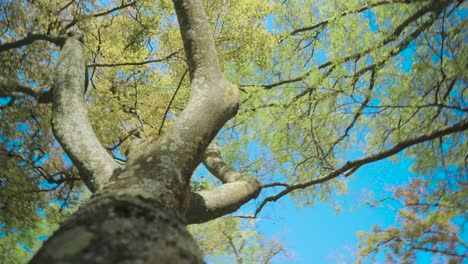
(217, 167)
(121, 227)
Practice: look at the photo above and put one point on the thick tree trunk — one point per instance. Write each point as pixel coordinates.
(123, 226)
(138, 212)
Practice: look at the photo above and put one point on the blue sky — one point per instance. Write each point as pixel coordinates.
(320, 234)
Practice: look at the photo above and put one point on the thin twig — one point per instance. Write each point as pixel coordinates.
(172, 100)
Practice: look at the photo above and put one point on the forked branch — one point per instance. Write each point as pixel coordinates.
(175, 154)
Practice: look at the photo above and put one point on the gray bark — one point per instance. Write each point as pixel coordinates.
(237, 190)
(70, 120)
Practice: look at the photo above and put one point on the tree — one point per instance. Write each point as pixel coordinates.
(127, 101)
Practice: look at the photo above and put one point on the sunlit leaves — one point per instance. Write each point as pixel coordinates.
(234, 241)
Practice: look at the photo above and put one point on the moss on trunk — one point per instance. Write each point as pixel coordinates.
(121, 227)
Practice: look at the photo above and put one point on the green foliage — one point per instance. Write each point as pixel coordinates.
(229, 240)
(431, 219)
(17, 245)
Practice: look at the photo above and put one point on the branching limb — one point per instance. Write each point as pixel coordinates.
(103, 13)
(31, 38)
(237, 252)
(353, 11)
(172, 157)
(225, 199)
(357, 114)
(166, 112)
(237, 190)
(213, 100)
(70, 120)
(434, 7)
(275, 250)
(56, 39)
(352, 166)
(137, 63)
(213, 162)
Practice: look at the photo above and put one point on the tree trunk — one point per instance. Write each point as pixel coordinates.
(138, 212)
(122, 226)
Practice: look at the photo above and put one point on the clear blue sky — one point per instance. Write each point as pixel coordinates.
(319, 235)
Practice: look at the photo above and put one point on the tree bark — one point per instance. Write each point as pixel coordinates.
(122, 226)
(70, 122)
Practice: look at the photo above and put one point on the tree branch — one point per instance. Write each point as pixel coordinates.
(103, 13)
(172, 157)
(348, 12)
(171, 101)
(433, 7)
(15, 89)
(198, 40)
(213, 162)
(442, 252)
(122, 6)
(355, 164)
(237, 253)
(225, 199)
(70, 121)
(31, 38)
(139, 63)
(237, 190)
(357, 114)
